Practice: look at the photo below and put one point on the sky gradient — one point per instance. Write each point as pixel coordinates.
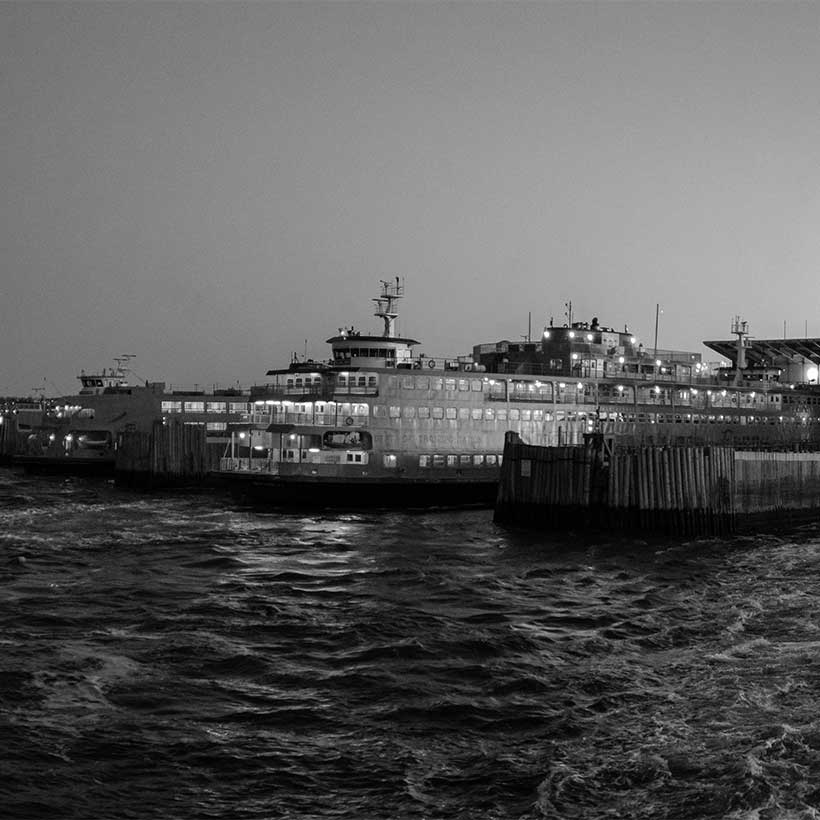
(209, 186)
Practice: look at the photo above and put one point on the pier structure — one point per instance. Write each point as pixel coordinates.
(668, 489)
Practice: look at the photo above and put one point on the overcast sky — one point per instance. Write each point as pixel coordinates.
(208, 185)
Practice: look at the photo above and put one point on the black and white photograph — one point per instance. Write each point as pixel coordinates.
(409, 409)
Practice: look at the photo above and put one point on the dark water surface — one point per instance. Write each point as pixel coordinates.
(172, 656)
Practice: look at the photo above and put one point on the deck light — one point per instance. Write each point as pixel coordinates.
(580, 386)
(574, 355)
(620, 388)
(694, 391)
(621, 359)
(632, 339)
(572, 334)
(589, 337)
(722, 392)
(658, 362)
(657, 389)
(561, 385)
(241, 435)
(69, 438)
(546, 334)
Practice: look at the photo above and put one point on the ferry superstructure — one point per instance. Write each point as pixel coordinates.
(378, 421)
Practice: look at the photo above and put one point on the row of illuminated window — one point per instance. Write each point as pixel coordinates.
(461, 413)
(342, 380)
(343, 354)
(699, 418)
(205, 407)
(464, 460)
(436, 383)
(798, 399)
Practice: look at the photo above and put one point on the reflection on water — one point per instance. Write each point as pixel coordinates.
(180, 657)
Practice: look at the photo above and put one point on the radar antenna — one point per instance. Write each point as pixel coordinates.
(386, 305)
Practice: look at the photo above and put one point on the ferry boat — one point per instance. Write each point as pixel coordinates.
(380, 423)
(81, 432)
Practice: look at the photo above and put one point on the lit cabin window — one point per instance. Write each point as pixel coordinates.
(477, 413)
(436, 383)
(172, 407)
(478, 461)
(216, 426)
(514, 414)
(409, 412)
(216, 406)
(239, 407)
(438, 461)
(491, 461)
(501, 414)
(194, 406)
(438, 412)
(395, 412)
(452, 461)
(476, 385)
(424, 412)
(464, 413)
(372, 381)
(422, 382)
(425, 461)
(463, 384)
(450, 413)
(408, 382)
(465, 461)
(489, 414)
(449, 384)
(390, 461)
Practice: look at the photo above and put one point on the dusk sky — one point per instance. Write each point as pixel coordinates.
(208, 185)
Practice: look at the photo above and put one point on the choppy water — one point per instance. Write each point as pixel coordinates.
(182, 657)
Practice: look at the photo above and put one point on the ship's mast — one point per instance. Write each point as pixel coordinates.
(741, 330)
(386, 305)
